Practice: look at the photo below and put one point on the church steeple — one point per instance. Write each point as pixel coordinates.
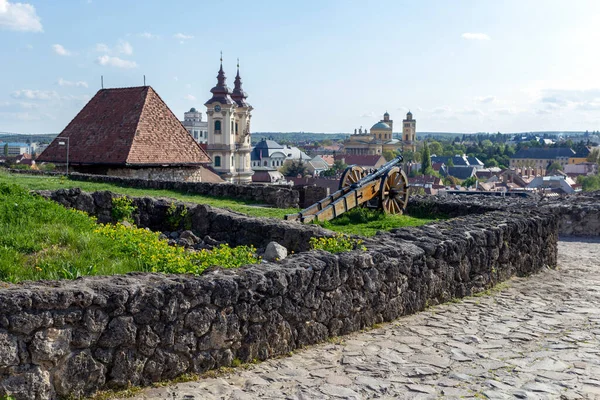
(221, 93)
(238, 94)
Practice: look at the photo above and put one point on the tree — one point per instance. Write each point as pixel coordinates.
(425, 159)
(389, 155)
(555, 167)
(450, 162)
(435, 148)
(470, 181)
(491, 163)
(293, 169)
(6, 150)
(589, 183)
(594, 156)
(338, 166)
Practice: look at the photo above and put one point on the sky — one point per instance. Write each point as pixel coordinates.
(313, 66)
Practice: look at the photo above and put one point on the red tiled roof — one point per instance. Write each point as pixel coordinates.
(126, 126)
(361, 160)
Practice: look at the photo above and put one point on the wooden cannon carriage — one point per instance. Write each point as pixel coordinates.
(386, 188)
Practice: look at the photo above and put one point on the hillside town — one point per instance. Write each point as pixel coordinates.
(219, 148)
(299, 200)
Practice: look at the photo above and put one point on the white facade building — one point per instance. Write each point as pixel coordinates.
(228, 141)
(268, 154)
(192, 120)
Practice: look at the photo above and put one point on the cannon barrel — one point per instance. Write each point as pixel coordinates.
(379, 173)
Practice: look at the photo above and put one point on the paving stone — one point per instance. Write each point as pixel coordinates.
(537, 339)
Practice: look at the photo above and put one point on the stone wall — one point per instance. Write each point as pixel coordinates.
(275, 196)
(164, 174)
(221, 225)
(74, 337)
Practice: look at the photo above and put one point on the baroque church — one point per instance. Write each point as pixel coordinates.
(229, 141)
(380, 137)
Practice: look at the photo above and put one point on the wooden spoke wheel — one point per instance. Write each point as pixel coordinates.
(394, 191)
(351, 175)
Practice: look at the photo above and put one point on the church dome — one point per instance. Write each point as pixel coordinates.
(192, 109)
(386, 114)
(381, 126)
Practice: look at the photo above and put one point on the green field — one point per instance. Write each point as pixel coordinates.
(40, 182)
(367, 222)
(40, 239)
(359, 222)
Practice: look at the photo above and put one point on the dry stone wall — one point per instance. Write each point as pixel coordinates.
(75, 337)
(276, 196)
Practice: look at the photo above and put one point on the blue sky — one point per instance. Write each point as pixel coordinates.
(319, 66)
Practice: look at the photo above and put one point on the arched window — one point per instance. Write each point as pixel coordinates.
(217, 126)
(265, 163)
(236, 128)
(217, 160)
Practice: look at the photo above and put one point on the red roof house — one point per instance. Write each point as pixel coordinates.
(127, 128)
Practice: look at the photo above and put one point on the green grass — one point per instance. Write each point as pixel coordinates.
(40, 239)
(39, 182)
(360, 221)
(366, 222)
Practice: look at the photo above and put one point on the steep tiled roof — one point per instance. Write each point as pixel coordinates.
(361, 160)
(126, 126)
(538, 153)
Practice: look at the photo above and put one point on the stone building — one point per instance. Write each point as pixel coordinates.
(380, 138)
(535, 161)
(229, 138)
(192, 120)
(409, 133)
(130, 132)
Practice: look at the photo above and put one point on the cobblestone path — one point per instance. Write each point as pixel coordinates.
(539, 338)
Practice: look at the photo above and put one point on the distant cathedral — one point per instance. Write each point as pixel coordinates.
(380, 137)
(229, 141)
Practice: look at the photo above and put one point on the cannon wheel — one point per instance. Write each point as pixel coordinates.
(351, 175)
(394, 191)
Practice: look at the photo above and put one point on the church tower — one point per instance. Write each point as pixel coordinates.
(409, 132)
(227, 144)
(243, 113)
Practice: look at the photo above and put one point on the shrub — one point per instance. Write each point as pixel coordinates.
(40, 239)
(337, 244)
(122, 208)
(155, 255)
(178, 214)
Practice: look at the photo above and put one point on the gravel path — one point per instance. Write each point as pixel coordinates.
(539, 338)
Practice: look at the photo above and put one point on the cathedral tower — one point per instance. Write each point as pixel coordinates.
(229, 130)
(409, 132)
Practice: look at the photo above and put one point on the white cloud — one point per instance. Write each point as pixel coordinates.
(116, 62)
(370, 114)
(441, 110)
(62, 82)
(505, 111)
(34, 94)
(148, 35)
(124, 47)
(19, 17)
(485, 99)
(471, 111)
(59, 49)
(475, 36)
(189, 97)
(102, 48)
(175, 78)
(181, 36)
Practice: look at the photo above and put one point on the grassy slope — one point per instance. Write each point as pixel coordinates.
(359, 222)
(37, 182)
(366, 222)
(40, 239)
